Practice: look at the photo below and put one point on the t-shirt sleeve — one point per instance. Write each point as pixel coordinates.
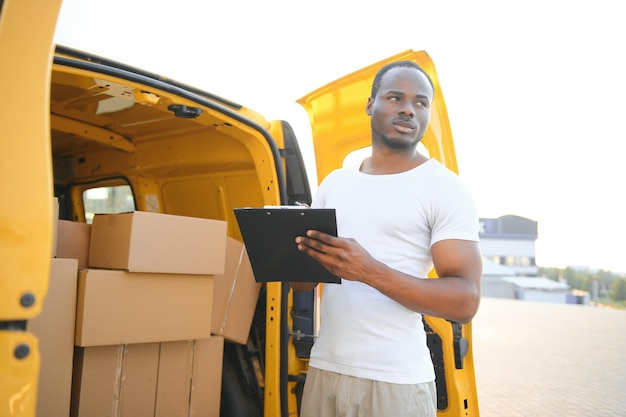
(319, 200)
(454, 215)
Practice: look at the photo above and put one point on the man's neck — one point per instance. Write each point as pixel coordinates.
(391, 162)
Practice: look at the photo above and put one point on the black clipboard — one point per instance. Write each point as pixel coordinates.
(269, 236)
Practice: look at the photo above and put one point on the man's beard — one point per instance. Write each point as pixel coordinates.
(399, 143)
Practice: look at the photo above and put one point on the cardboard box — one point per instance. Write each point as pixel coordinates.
(156, 242)
(167, 379)
(190, 378)
(115, 381)
(73, 241)
(54, 327)
(175, 374)
(117, 307)
(235, 295)
(206, 387)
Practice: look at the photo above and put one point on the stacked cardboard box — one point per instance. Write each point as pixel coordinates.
(166, 379)
(73, 241)
(235, 295)
(54, 327)
(138, 308)
(143, 321)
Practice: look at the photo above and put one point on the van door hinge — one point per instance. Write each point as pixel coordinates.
(461, 345)
(13, 325)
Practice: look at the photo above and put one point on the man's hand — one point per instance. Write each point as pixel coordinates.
(455, 295)
(343, 257)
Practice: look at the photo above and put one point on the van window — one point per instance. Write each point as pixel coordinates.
(108, 200)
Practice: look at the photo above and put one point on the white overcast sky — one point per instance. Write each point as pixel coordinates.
(535, 90)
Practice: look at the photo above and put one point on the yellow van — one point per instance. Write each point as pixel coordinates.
(88, 136)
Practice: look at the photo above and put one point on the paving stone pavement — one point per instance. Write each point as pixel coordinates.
(535, 359)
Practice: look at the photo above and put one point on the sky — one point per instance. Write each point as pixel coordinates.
(535, 90)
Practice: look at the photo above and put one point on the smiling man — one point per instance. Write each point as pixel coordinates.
(399, 214)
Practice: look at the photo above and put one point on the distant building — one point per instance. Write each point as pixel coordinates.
(510, 241)
(509, 269)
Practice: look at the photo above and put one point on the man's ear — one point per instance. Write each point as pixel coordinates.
(368, 106)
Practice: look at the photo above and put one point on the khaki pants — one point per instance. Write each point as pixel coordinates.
(327, 394)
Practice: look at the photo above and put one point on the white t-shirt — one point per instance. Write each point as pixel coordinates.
(396, 218)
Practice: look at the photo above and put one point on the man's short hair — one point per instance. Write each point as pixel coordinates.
(396, 64)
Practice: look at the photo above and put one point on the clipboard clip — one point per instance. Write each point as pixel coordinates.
(299, 335)
(297, 205)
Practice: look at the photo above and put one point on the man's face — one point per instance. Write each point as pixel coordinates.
(401, 109)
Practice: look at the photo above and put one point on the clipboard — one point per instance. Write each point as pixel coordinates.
(269, 236)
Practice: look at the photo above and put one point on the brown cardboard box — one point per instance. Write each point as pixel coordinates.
(115, 381)
(117, 307)
(206, 387)
(235, 295)
(54, 327)
(175, 375)
(156, 242)
(167, 379)
(198, 362)
(73, 241)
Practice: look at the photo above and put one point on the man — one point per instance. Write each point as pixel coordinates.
(399, 214)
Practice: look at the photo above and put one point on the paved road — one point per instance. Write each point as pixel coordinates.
(536, 359)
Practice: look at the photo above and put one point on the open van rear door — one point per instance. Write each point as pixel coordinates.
(340, 126)
(27, 211)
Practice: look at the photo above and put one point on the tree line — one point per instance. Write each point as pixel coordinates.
(610, 286)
